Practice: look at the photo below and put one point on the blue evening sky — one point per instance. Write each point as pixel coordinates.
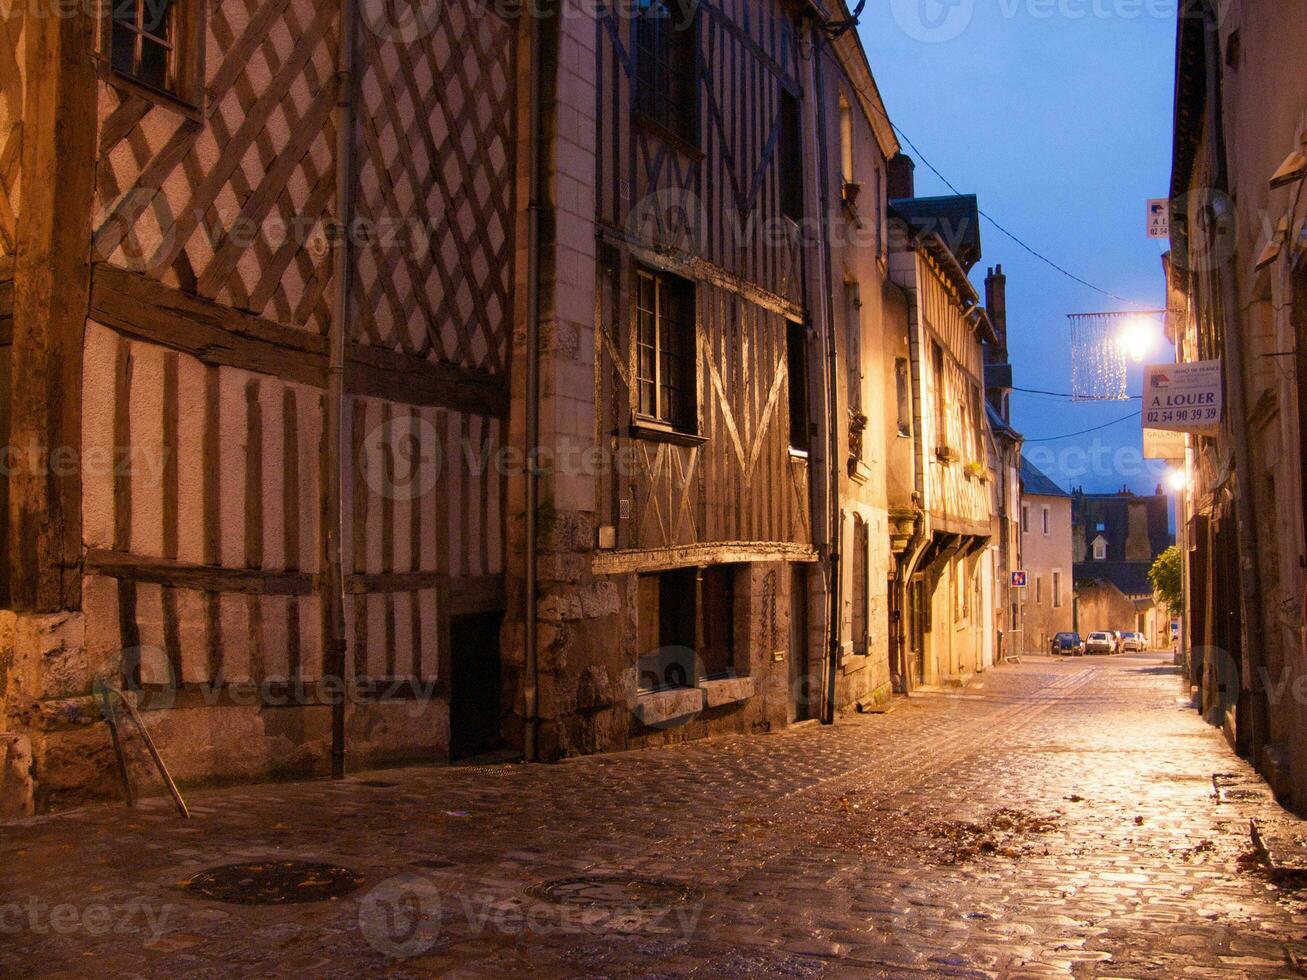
(1061, 125)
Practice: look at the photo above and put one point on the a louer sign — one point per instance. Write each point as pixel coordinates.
(1183, 397)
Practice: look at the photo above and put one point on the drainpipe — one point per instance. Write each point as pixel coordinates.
(333, 579)
(831, 669)
(1249, 577)
(530, 690)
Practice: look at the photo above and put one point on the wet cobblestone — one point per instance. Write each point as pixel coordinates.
(1057, 818)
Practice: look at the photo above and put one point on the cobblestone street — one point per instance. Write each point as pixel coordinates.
(1055, 818)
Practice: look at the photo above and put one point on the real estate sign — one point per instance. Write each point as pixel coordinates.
(1159, 218)
(1183, 397)
(1164, 445)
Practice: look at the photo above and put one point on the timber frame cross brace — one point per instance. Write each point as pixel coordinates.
(111, 719)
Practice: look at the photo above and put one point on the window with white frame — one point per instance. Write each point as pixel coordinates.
(665, 363)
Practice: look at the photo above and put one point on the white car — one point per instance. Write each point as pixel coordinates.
(1100, 642)
(1133, 643)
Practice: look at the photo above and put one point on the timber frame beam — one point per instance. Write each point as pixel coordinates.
(139, 307)
(51, 297)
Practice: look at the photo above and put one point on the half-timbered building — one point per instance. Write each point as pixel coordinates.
(689, 585)
(398, 385)
(942, 528)
(262, 261)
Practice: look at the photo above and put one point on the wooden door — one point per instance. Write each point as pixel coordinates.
(802, 690)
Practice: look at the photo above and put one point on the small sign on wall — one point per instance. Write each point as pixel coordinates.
(1018, 580)
(1159, 218)
(1164, 445)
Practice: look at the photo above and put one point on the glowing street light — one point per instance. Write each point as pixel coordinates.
(1137, 338)
(1177, 480)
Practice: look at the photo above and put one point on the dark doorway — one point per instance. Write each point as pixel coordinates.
(474, 698)
(802, 690)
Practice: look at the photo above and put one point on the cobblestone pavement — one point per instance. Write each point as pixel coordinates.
(1055, 818)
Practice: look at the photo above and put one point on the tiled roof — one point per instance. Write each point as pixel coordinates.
(1034, 482)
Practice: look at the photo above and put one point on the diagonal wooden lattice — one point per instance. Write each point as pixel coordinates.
(11, 123)
(232, 209)
(435, 190)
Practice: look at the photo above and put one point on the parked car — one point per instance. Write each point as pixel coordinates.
(1067, 645)
(1133, 643)
(1100, 641)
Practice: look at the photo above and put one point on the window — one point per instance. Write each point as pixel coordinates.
(1057, 589)
(1025, 518)
(796, 364)
(789, 153)
(666, 83)
(903, 394)
(941, 406)
(853, 323)
(665, 630)
(665, 369)
(1100, 549)
(861, 587)
(151, 42)
(1048, 529)
(1039, 590)
(719, 620)
(846, 141)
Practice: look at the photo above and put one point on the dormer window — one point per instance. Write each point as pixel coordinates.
(1100, 549)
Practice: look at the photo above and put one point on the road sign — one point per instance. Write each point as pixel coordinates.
(1159, 218)
(1018, 580)
(1183, 397)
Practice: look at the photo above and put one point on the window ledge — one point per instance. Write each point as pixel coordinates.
(659, 707)
(190, 109)
(642, 429)
(728, 690)
(859, 472)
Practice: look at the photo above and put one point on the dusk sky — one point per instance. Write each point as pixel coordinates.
(1061, 124)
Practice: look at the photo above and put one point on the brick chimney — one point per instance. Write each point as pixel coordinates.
(996, 304)
(901, 182)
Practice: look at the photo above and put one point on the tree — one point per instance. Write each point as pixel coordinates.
(1168, 579)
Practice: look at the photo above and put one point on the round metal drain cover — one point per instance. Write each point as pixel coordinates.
(273, 882)
(615, 892)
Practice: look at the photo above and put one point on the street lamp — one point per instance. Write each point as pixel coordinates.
(1137, 338)
(1177, 480)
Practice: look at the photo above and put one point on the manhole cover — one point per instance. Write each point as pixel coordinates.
(273, 882)
(615, 892)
